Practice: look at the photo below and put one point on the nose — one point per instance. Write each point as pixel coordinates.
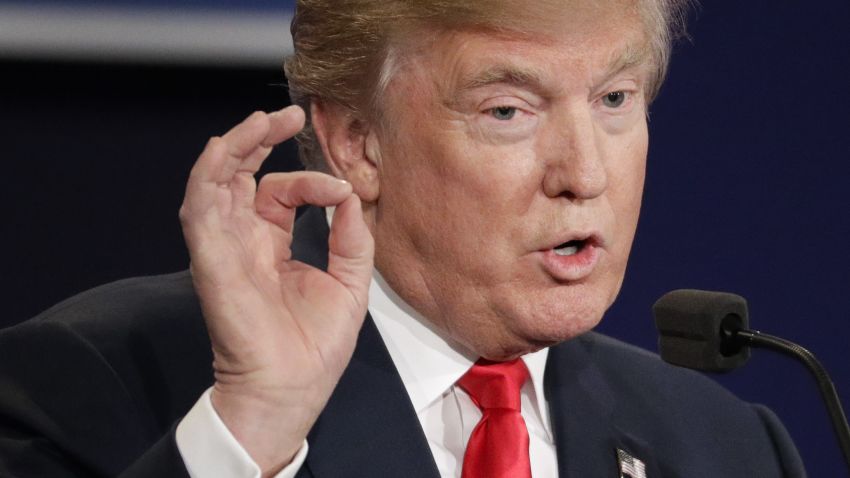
(575, 166)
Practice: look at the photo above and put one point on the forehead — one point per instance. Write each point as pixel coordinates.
(530, 16)
(581, 40)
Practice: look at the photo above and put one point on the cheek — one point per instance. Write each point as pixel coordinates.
(491, 180)
(469, 183)
(468, 207)
(627, 189)
(626, 183)
(493, 196)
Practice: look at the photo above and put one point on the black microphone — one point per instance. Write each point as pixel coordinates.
(708, 331)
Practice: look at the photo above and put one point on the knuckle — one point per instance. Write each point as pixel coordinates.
(213, 141)
(184, 215)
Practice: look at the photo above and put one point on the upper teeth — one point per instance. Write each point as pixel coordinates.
(566, 250)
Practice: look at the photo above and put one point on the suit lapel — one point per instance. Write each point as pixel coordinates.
(369, 426)
(583, 409)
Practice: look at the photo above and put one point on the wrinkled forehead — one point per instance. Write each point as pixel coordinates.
(532, 19)
(615, 32)
(596, 38)
(509, 15)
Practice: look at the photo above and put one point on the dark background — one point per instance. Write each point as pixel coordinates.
(747, 188)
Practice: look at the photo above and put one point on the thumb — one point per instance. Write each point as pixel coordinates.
(351, 249)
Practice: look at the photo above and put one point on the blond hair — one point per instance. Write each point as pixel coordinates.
(345, 51)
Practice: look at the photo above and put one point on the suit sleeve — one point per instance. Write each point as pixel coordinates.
(64, 412)
(789, 458)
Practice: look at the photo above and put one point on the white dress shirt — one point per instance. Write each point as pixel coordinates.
(429, 366)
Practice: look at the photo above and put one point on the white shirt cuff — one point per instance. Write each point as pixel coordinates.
(209, 449)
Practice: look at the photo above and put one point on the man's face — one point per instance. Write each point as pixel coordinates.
(511, 170)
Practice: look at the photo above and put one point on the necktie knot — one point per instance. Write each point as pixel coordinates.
(494, 385)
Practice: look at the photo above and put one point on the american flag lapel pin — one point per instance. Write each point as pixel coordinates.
(630, 467)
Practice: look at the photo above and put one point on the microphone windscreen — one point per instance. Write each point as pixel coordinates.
(693, 325)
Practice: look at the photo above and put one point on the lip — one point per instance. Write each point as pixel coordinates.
(577, 266)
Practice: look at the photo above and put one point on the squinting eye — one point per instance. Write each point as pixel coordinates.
(614, 99)
(503, 113)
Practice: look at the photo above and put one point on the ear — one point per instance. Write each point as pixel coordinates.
(350, 147)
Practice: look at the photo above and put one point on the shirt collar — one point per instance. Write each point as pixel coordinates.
(428, 362)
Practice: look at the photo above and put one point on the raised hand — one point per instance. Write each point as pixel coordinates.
(282, 332)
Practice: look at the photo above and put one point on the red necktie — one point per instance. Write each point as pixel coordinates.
(498, 446)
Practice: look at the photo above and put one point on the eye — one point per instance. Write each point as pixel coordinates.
(614, 99)
(503, 113)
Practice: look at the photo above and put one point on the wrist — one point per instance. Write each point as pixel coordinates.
(270, 430)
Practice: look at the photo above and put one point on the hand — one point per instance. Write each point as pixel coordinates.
(282, 332)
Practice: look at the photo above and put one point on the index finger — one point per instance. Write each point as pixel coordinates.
(282, 125)
(245, 146)
(263, 130)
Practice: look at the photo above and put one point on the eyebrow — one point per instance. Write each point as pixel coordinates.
(633, 55)
(503, 74)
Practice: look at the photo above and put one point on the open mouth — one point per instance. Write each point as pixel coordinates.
(570, 248)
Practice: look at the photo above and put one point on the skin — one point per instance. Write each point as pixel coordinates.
(479, 174)
(281, 331)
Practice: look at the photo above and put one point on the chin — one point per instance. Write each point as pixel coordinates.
(555, 316)
(518, 321)
(530, 335)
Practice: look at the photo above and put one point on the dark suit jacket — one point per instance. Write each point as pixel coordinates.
(95, 385)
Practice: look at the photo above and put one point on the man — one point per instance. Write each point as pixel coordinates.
(486, 168)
